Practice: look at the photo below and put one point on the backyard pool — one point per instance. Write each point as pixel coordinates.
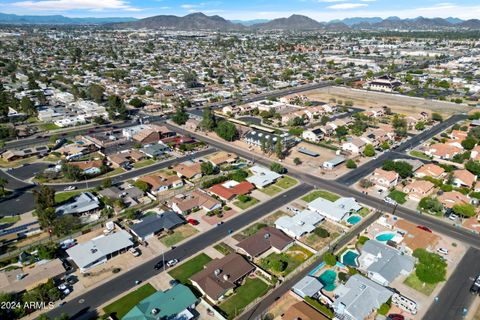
(328, 280)
(385, 236)
(354, 219)
(349, 258)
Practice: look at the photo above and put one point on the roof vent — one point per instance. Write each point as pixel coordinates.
(217, 272)
(266, 235)
(155, 311)
(226, 277)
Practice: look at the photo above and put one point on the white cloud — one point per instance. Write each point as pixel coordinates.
(63, 5)
(332, 0)
(346, 6)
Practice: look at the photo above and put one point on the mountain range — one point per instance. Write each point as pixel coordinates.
(200, 21)
(57, 19)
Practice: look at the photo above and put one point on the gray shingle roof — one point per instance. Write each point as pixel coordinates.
(155, 223)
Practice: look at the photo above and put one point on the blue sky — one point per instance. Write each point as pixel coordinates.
(322, 10)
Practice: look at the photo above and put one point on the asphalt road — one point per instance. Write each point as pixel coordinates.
(109, 290)
(260, 309)
(367, 168)
(21, 200)
(455, 295)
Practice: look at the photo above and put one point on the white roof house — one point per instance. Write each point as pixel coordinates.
(336, 210)
(98, 250)
(359, 297)
(307, 287)
(262, 176)
(85, 202)
(384, 264)
(300, 224)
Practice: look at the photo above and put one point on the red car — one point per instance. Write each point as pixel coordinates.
(424, 228)
(395, 317)
(193, 222)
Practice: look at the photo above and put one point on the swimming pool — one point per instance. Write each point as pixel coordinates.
(354, 219)
(328, 280)
(385, 236)
(350, 258)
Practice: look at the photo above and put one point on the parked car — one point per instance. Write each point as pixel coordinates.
(475, 288)
(172, 262)
(158, 265)
(135, 252)
(424, 228)
(395, 316)
(70, 188)
(193, 222)
(442, 251)
(453, 216)
(390, 200)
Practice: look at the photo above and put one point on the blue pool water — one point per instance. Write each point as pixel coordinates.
(354, 219)
(350, 258)
(328, 280)
(384, 237)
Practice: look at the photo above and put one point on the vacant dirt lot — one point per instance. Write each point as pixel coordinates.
(398, 103)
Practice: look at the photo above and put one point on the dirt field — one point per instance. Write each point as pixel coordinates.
(398, 103)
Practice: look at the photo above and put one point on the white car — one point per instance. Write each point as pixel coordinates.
(70, 188)
(442, 251)
(453, 217)
(172, 262)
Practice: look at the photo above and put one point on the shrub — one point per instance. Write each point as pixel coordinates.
(330, 259)
(244, 198)
(362, 240)
(321, 232)
(351, 164)
(342, 276)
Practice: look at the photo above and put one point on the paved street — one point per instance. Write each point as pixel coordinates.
(455, 295)
(109, 290)
(364, 170)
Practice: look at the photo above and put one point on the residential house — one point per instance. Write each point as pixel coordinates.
(221, 276)
(383, 178)
(383, 264)
(443, 151)
(230, 189)
(129, 195)
(384, 83)
(154, 150)
(418, 189)
(222, 157)
(300, 224)
(315, 135)
(302, 310)
(429, 170)
(190, 171)
(97, 251)
(354, 145)
(264, 242)
(335, 210)
(458, 135)
(92, 167)
(177, 302)
(262, 177)
(156, 223)
(161, 182)
(83, 204)
(414, 237)
(333, 163)
(451, 198)
(475, 153)
(359, 297)
(183, 204)
(125, 158)
(463, 178)
(308, 286)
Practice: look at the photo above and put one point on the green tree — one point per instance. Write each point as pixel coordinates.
(278, 265)
(297, 161)
(116, 108)
(430, 205)
(279, 149)
(142, 185)
(181, 116)
(404, 169)
(226, 130)
(72, 172)
(465, 210)
(437, 117)
(3, 183)
(44, 197)
(473, 167)
(420, 126)
(369, 150)
(137, 103)
(95, 92)
(277, 167)
(28, 106)
(341, 132)
(469, 143)
(385, 145)
(106, 183)
(209, 122)
(208, 168)
(330, 259)
(351, 164)
(431, 268)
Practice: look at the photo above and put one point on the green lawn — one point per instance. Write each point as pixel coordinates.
(223, 248)
(419, 154)
(247, 204)
(398, 196)
(244, 295)
(364, 212)
(294, 257)
(64, 196)
(286, 182)
(413, 282)
(248, 231)
(9, 219)
(271, 190)
(183, 232)
(143, 163)
(49, 126)
(184, 271)
(320, 193)
(114, 172)
(124, 304)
